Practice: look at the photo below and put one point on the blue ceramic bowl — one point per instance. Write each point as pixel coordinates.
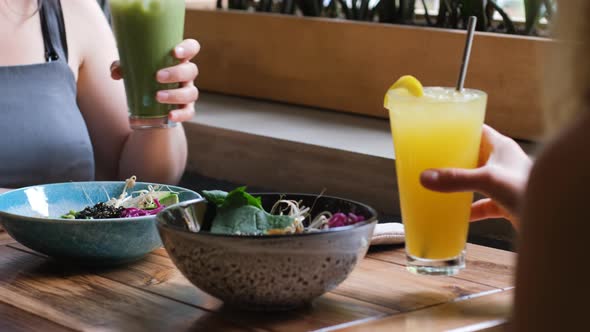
(31, 216)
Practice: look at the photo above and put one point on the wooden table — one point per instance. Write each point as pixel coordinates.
(151, 295)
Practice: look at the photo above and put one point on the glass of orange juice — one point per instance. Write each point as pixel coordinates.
(434, 127)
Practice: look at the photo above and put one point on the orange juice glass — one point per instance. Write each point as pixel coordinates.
(440, 129)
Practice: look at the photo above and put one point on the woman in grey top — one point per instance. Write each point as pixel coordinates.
(63, 116)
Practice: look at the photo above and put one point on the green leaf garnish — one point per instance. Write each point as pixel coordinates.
(248, 220)
(238, 212)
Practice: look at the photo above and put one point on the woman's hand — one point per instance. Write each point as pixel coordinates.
(184, 73)
(502, 176)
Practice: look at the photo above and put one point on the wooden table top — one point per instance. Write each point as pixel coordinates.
(151, 295)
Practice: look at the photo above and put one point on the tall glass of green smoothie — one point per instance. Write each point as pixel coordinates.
(147, 32)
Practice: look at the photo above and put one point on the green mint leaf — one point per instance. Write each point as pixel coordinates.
(239, 197)
(216, 197)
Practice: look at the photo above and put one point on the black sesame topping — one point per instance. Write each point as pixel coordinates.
(100, 211)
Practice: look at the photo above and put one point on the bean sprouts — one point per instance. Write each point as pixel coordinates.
(128, 204)
(300, 213)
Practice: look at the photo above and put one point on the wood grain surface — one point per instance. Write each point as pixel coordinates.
(482, 262)
(469, 314)
(5, 238)
(152, 295)
(14, 319)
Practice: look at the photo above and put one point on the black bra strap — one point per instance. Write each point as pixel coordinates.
(54, 32)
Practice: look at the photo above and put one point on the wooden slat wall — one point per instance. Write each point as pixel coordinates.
(291, 167)
(348, 66)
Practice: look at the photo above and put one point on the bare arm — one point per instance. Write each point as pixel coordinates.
(552, 274)
(157, 155)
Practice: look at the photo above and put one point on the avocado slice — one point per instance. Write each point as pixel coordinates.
(170, 199)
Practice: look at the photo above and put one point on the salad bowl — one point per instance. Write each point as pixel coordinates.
(32, 216)
(266, 272)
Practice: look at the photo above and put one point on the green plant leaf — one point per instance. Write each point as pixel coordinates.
(474, 8)
(505, 18)
(216, 197)
(248, 220)
(240, 212)
(406, 11)
(532, 9)
(426, 14)
(364, 10)
(264, 6)
(549, 8)
(331, 10)
(309, 7)
(346, 10)
(455, 16)
(354, 10)
(443, 12)
(371, 15)
(287, 7)
(239, 196)
(387, 11)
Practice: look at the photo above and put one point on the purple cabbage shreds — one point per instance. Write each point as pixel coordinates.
(340, 219)
(135, 212)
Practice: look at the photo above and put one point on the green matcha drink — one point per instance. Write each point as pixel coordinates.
(147, 32)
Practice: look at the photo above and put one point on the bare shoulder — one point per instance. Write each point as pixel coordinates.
(563, 165)
(83, 11)
(560, 180)
(87, 30)
(554, 235)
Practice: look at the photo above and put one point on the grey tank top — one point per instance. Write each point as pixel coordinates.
(43, 136)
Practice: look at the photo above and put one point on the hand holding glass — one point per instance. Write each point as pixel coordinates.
(147, 32)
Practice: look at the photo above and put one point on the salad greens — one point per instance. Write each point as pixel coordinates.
(137, 204)
(238, 212)
(219, 197)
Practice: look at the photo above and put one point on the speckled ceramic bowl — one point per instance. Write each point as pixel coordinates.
(31, 216)
(276, 272)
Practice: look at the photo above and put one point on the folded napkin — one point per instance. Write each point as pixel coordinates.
(388, 233)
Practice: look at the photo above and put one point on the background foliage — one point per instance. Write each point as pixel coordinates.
(451, 14)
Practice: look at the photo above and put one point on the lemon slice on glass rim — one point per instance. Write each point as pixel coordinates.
(408, 84)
